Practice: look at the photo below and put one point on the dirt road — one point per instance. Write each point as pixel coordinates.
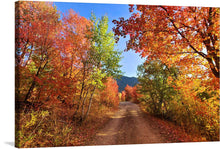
(128, 126)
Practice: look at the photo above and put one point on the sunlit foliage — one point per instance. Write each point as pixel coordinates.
(65, 68)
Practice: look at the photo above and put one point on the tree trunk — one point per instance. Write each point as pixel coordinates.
(90, 103)
(28, 95)
(215, 69)
(83, 103)
(82, 89)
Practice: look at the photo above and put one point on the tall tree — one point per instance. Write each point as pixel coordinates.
(102, 57)
(173, 33)
(153, 85)
(37, 25)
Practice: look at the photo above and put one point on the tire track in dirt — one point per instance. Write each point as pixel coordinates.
(127, 126)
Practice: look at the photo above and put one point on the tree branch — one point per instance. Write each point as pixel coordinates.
(182, 35)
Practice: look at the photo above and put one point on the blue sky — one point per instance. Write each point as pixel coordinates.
(130, 59)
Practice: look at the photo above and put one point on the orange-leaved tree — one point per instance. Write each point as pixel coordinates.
(131, 93)
(174, 34)
(34, 44)
(123, 96)
(109, 94)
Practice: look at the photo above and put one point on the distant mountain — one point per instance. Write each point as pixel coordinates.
(123, 81)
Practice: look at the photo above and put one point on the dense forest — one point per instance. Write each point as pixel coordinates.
(179, 80)
(67, 69)
(63, 68)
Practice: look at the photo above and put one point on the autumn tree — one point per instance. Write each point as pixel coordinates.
(110, 93)
(130, 94)
(103, 53)
(153, 77)
(123, 96)
(135, 94)
(74, 46)
(64, 63)
(173, 34)
(103, 59)
(188, 101)
(34, 43)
